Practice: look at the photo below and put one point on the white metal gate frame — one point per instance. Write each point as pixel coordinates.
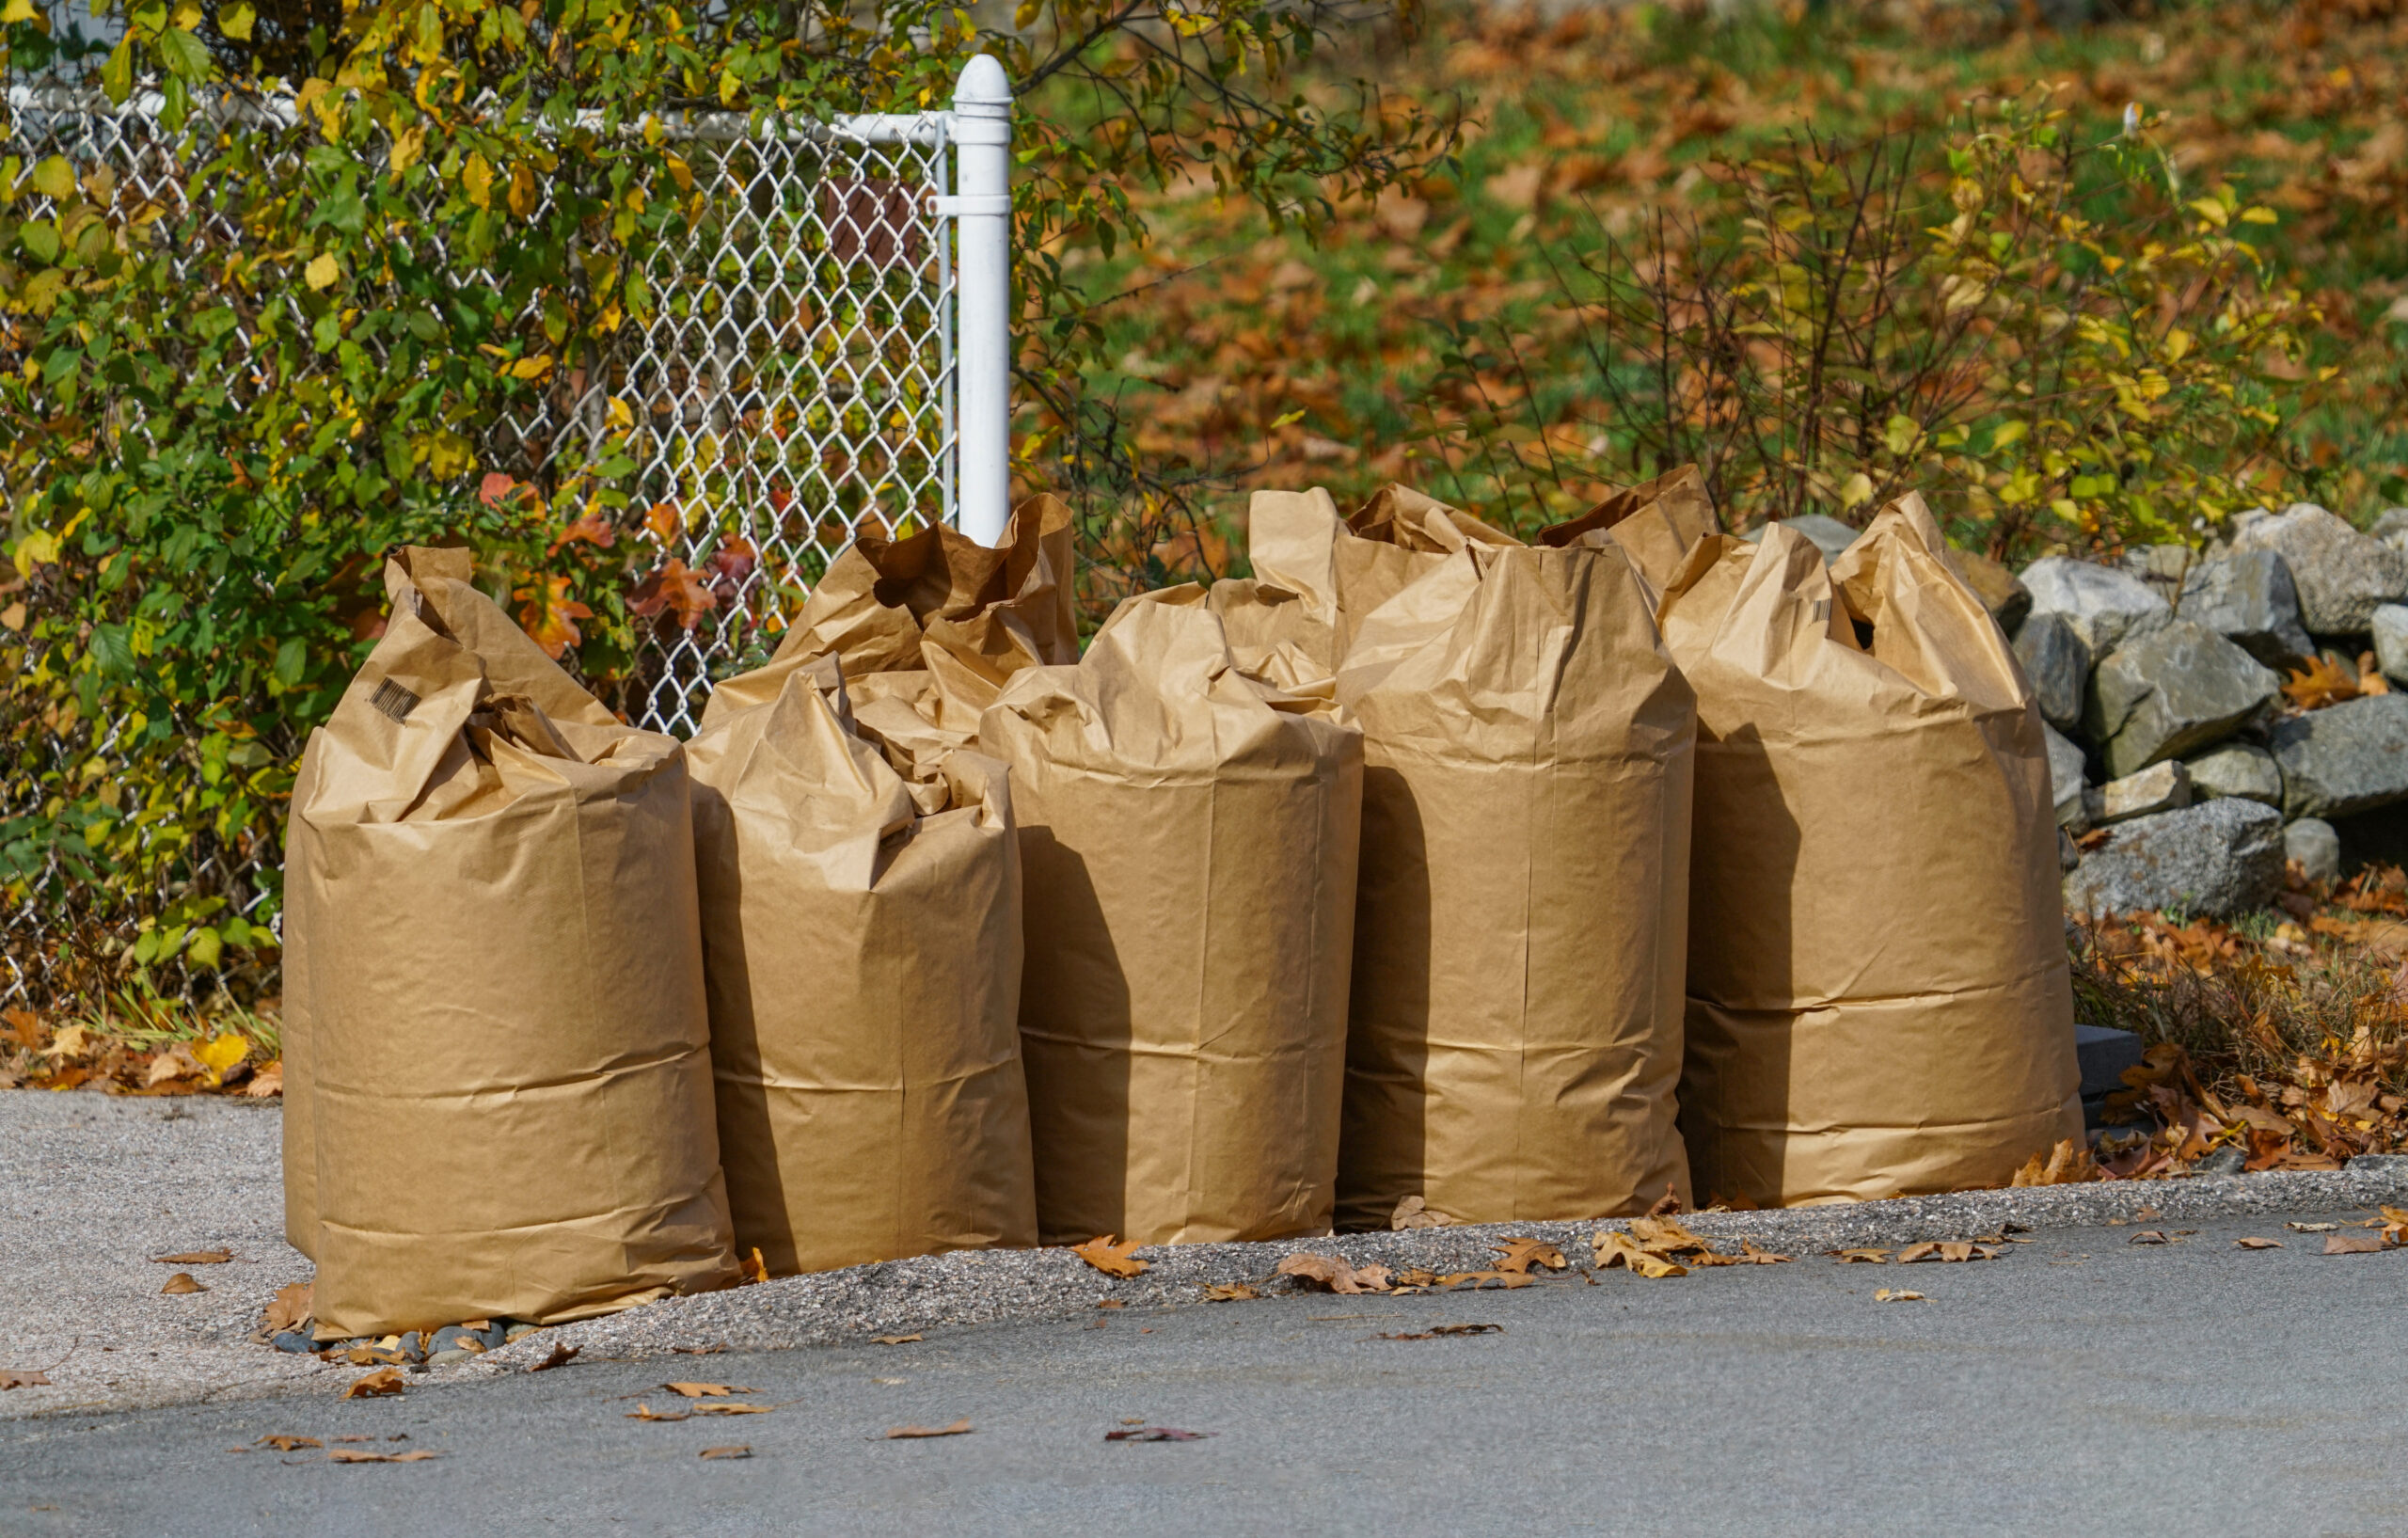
(907, 421)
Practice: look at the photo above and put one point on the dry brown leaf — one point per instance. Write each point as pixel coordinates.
(1333, 1275)
(348, 1455)
(1414, 1212)
(1229, 1293)
(181, 1283)
(1750, 1254)
(1946, 1250)
(267, 1081)
(21, 1377)
(196, 1257)
(1666, 1205)
(2311, 1228)
(560, 1356)
(1478, 1279)
(732, 1409)
(1522, 1254)
(958, 1428)
(2258, 1243)
(1667, 1236)
(2321, 682)
(1615, 1248)
(287, 1444)
(892, 1340)
(753, 1267)
(1113, 1260)
(2067, 1164)
(2353, 1243)
(725, 1453)
(2150, 1236)
(1900, 1294)
(384, 1382)
(1861, 1257)
(646, 1412)
(288, 1308)
(705, 1390)
(1434, 1331)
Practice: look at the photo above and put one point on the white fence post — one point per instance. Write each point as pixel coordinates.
(982, 210)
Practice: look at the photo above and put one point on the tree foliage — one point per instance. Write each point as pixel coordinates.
(403, 226)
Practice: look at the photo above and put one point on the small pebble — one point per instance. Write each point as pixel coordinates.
(446, 1359)
(297, 1340)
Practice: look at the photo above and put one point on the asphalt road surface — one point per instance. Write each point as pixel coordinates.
(2081, 1384)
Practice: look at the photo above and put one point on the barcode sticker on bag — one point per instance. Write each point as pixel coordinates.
(394, 700)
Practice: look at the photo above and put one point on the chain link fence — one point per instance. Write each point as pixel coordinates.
(794, 386)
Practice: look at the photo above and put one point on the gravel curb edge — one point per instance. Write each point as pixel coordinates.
(970, 1288)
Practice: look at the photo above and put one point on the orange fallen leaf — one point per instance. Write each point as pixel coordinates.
(2322, 682)
(958, 1428)
(289, 1308)
(196, 1257)
(1229, 1293)
(753, 1267)
(20, 1378)
(1948, 1250)
(1522, 1254)
(1332, 1275)
(892, 1340)
(646, 1412)
(732, 1409)
(287, 1444)
(2067, 1164)
(2353, 1243)
(181, 1283)
(725, 1453)
(705, 1390)
(560, 1356)
(1750, 1254)
(1113, 1260)
(1616, 1248)
(382, 1383)
(2258, 1243)
(350, 1455)
(1897, 1295)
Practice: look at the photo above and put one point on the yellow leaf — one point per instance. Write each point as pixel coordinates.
(236, 22)
(323, 270)
(38, 548)
(477, 178)
(409, 148)
(55, 178)
(2008, 431)
(1856, 490)
(531, 368)
(621, 414)
(220, 1053)
(522, 189)
(20, 10)
(1615, 1248)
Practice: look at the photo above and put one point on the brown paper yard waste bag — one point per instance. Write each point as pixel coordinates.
(1878, 999)
(1188, 836)
(505, 1049)
(1515, 1034)
(863, 935)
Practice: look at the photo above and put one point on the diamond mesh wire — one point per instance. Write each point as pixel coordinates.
(793, 388)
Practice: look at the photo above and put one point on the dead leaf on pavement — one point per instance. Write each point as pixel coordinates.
(1667, 1236)
(1113, 1260)
(725, 1453)
(1333, 1275)
(1899, 1294)
(2258, 1243)
(2311, 1228)
(1478, 1279)
(1414, 1212)
(1155, 1433)
(382, 1383)
(892, 1340)
(646, 1412)
(1615, 1248)
(958, 1428)
(1750, 1254)
(348, 1455)
(196, 1257)
(2353, 1243)
(1951, 1251)
(560, 1356)
(2150, 1236)
(20, 1378)
(1522, 1254)
(1229, 1293)
(1861, 1257)
(732, 1409)
(705, 1390)
(1436, 1331)
(267, 1081)
(289, 1308)
(287, 1444)
(181, 1283)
